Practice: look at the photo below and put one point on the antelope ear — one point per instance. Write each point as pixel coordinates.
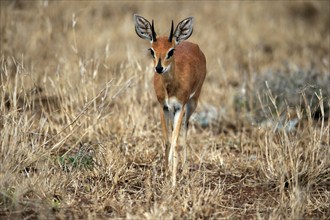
(184, 30)
(144, 29)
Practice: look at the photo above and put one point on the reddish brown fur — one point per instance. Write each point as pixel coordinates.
(187, 74)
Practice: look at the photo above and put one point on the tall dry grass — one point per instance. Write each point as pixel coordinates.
(79, 129)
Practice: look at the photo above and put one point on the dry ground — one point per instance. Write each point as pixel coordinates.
(79, 129)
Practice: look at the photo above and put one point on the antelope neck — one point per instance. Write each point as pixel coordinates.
(169, 76)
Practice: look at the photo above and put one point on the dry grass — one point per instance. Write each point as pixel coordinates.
(79, 126)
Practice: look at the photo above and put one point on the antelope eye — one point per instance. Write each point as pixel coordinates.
(170, 53)
(152, 52)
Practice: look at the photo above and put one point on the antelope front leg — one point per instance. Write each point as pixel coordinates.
(184, 159)
(164, 117)
(174, 145)
(190, 108)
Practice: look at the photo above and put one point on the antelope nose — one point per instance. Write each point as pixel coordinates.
(159, 68)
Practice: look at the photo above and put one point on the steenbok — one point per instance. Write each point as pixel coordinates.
(180, 69)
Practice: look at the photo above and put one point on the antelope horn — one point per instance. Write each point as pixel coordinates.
(153, 31)
(171, 34)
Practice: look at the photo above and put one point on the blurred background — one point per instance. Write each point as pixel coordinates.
(238, 33)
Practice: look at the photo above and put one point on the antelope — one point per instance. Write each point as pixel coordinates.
(179, 73)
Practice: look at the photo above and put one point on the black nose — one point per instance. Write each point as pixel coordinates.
(159, 68)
